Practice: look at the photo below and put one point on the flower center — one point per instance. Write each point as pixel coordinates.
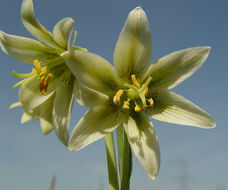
(134, 96)
(39, 73)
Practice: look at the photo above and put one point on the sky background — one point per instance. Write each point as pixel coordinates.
(191, 158)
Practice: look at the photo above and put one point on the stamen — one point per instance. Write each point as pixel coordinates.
(43, 71)
(135, 82)
(36, 64)
(138, 108)
(126, 105)
(44, 83)
(151, 101)
(116, 98)
(145, 92)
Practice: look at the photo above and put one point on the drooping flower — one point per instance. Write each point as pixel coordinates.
(46, 93)
(136, 90)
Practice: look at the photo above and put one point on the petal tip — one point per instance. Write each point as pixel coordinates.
(70, 148)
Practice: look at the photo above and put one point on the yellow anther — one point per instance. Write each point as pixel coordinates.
(43, 71)
(126, 105)
(145, 92)
(33, 70)
(138, 108)
(151, 101)
(44, 83)
(116, 98)
(36, 64)
(135, 82)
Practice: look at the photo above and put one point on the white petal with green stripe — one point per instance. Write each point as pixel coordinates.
(25, 49)
(134, 47)
(144, 142)
(174, 68)
(62, 31)
(173, 108)
(95, 124)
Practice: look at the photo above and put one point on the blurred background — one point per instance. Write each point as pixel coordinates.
(191, 158)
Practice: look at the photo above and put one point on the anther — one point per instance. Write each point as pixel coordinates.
(126, 105)
(44, 83)
(43, 71)
(151, 101)
(135, 82)
(138, 108)
(145, 92)
(36, 64)
(116, 98)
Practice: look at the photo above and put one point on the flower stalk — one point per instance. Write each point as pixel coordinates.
(111, 161)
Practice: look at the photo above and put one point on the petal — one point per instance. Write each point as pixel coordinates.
(173, 108)
(62, 31)
(25, 49)
(144, 142)
(62, 108)
(46, 120)
(33, 26)
(31, 97)
(87, 96)
(134, 47)
(92, 70)
(174, 68)
(30, 115)
(95, 124)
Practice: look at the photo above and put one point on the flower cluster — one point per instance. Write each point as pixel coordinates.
(127, 94)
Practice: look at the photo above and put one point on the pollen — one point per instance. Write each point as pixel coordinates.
(44, 83)
(116, 98)
(126, 105)
(138, 108)
(43, 71)
(37, 65)
(151, 101)
(135, 82)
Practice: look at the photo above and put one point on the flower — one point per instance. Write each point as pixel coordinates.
(47, 91)
(136, 91)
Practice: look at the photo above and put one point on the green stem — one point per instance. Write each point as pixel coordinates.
(111, 161)
(125, 158)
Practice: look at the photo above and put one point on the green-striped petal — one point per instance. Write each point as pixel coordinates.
(30, 115)
(174, 68)
(33, 26)
(92, 70)
(62, 108)
(25, 49)
(88, 97)
(144, 142)
(46, 120)
(31, 97)
(173, 108)
(95, 124)
(62, 31)
(134, 47)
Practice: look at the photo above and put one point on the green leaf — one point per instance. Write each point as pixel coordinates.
(124, 158)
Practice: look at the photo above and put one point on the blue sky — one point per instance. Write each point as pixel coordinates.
(191, 158)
